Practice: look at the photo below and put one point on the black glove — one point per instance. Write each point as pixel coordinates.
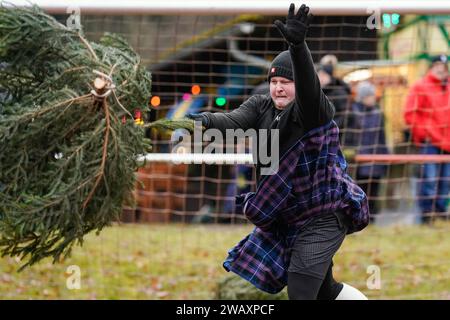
(199, 117)
(294, 31)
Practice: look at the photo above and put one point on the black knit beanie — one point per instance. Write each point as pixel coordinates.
(281, 66)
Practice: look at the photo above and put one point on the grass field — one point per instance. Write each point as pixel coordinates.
(185, 262)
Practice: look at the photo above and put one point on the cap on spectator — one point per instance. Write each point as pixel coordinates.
(328, 68)
(364, 89)
(329, 59)
(439, 58)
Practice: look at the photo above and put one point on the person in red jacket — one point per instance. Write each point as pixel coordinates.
(427, 113)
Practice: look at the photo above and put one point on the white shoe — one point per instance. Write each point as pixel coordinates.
(350, 293)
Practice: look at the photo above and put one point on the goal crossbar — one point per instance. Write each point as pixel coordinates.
(233, 7)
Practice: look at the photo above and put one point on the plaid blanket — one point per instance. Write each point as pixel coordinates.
(311, 181)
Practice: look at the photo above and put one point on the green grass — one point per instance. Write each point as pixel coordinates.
(185, 262)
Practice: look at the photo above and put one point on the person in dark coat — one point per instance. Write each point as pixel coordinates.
(303, 211)
(370, 139)
(339, 94)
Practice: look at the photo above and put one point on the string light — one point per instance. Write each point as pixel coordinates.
(155, 101)
(195, 90)
(221, 101)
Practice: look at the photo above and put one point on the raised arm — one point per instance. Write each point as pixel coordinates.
(314, 107)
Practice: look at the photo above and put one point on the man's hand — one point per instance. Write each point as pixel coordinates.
(296, 27)
(199, 117)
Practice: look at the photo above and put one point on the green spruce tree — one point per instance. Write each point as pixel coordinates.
(68, 140)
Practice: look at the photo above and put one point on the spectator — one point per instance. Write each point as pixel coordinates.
(427, 114)
(369, 125)
(339, 94)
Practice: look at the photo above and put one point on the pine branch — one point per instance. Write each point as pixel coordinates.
(170, 125)
(101, 171)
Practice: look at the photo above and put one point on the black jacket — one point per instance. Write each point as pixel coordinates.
(339, 94)
(310, 109)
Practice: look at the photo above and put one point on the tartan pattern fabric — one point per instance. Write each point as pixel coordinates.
(311, 181)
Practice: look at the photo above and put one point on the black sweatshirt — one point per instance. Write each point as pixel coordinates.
(310, 109)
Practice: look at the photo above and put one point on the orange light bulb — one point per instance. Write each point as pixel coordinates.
(195, 90)
(155, 101)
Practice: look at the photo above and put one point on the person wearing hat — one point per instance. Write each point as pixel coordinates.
(304, 210)
(427, 113)
(339, 94)
(370, 138)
